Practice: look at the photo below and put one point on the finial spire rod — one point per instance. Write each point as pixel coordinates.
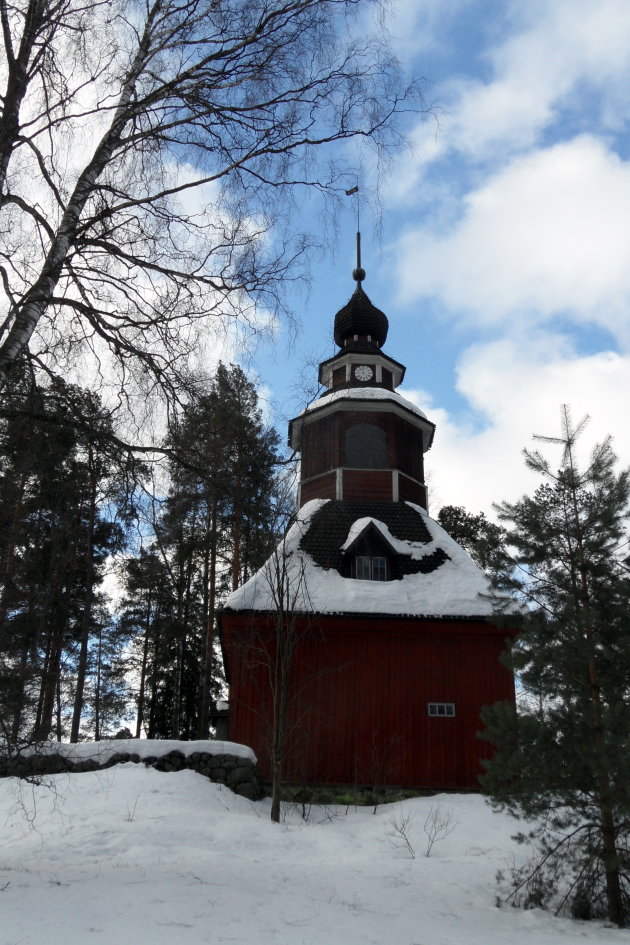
(358, 274)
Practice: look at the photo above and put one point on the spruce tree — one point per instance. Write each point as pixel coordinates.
(563, 757)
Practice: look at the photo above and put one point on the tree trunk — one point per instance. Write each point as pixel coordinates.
(17, 81)
(97, 693)
(49, 684)
(154, 677)
(610, 857)
(40, 696)
(143, 669)
(279, 740)
(19, 697)
(9, 557)
(237, 520)
(87, 607)
(285, 639)
(37, 299)
(608, 827)
(211, 584)
(58, 705)
(183, 609)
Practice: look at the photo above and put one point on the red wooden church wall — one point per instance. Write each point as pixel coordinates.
(323, 442)
(360, 688)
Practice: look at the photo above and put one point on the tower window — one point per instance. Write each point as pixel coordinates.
(366, 447)
(445, 710)
(370, 568)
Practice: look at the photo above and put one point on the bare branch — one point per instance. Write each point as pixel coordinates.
(230, 102)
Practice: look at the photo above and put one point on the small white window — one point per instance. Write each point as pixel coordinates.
(441, 709)
(370, 568)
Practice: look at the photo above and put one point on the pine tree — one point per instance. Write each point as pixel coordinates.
(61, 504)
(145, 610)
(564, 756)
(212, 531)
(483, 540)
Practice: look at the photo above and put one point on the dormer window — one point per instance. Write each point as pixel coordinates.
(370, 568)
(367, 553)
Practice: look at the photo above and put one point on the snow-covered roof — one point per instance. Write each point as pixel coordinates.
(365, 393)
(456, 588)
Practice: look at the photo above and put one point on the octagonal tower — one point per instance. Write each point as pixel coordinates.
(361, 441)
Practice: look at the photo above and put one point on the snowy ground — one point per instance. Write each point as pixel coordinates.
(132, 855)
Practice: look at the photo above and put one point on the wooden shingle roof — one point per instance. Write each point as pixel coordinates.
(330, 525)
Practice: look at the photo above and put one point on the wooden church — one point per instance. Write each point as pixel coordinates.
(383, 620)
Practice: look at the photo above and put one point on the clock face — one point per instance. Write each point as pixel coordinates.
(363, 372)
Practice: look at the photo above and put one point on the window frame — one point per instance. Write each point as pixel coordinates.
(376, 564)
(433, 710)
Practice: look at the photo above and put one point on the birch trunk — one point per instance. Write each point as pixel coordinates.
(36, 300)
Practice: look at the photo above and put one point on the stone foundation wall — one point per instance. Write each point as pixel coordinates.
(240, 775)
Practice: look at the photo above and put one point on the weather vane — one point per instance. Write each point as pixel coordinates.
(358, 274)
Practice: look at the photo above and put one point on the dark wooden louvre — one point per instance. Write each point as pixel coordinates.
(365, 447)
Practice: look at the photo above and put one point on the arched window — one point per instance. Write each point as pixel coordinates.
(365, 447)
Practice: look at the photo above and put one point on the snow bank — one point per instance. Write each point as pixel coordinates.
(130, 855)
(143, 747)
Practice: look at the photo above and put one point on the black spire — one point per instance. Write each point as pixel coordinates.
(358, 274)
(359, 317)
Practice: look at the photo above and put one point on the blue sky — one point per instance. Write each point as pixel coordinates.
(504, 258)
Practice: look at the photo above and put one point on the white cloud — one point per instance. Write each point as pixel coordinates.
(427, 145)
(560, 48)
(518, 387)
(558, 55)
(548, 235)
(539, 244)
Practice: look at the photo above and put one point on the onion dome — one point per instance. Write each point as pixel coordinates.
(360, 317)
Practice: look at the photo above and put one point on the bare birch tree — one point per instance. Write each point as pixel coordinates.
(147, 150)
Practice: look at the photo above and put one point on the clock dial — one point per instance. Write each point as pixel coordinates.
(363, 372)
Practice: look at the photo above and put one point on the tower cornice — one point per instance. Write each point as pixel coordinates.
(362, 400)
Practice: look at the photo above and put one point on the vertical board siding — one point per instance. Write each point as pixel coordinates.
(411, 491)
(359, 699)
(322, 487)
(320, 449)
(367, 485)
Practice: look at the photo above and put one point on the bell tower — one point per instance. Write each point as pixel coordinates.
(361, 441)
(395, 649)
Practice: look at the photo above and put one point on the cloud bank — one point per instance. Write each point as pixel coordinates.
(516, 239)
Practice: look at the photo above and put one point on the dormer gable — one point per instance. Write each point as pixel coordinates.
(368, 535)
(367, 553)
